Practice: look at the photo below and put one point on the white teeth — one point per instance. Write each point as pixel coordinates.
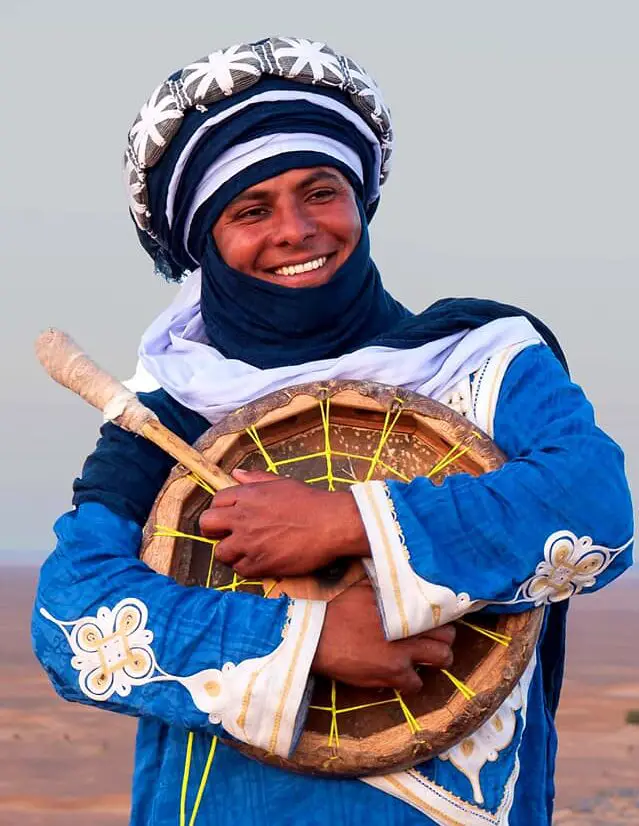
(300, 268)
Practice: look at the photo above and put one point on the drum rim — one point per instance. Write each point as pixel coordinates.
(313, 755)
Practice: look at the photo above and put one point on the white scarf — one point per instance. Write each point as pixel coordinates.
(173, 354)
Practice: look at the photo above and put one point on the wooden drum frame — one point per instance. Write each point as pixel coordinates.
(332, 435)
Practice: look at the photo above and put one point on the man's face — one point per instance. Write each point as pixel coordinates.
(295, 229)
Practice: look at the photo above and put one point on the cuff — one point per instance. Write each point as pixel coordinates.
(407, 603)
(264, 701)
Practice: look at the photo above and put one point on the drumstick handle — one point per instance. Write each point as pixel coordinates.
(67, 364)
(213, 475)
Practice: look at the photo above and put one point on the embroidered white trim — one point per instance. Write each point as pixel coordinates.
(570, 565)
(257, 701)
(496, 734)
(408, 604)
(486, 384)
(459, 398)
(445, 808)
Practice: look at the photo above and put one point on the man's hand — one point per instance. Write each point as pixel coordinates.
(278, 527)
(353, 649)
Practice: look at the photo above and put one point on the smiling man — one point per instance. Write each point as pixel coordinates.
(256, 171)
(295, 230)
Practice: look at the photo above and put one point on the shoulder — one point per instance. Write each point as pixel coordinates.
(125, 472)
(538, 397)
(185, 423)
(475, 312)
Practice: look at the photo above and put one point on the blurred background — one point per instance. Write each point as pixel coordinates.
(515, 177)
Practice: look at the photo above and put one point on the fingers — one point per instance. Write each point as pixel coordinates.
(248, 477)
(444, 633)
(216, 522)
(408, 682)
(424, 651)
(227, 497)
(229, 554)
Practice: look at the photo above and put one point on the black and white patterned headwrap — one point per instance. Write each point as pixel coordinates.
(187, 125)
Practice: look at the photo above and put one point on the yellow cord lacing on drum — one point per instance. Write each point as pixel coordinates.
(270, 465)
(390, 420)
(495, 636)
(189, 740)
(236, 582)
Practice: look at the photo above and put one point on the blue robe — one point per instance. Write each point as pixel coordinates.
(485, 536)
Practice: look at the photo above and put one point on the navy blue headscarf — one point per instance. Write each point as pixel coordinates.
(266, 324)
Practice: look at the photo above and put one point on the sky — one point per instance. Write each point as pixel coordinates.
(515, 177)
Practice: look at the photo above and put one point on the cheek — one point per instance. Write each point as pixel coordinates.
(348, 226)
(238, 248)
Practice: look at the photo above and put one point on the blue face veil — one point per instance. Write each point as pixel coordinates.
(257, 134)
(247, 114)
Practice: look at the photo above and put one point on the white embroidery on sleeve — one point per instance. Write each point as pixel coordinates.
(257, 701)
(570, 564)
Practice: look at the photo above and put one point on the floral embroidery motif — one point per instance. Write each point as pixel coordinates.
(112, 651)
(157, 123)
(256, 701)
(308, 60)
(570, 565)
(136, 190)
(458, 398)
(369, 96)
(221, 74)
(440, 804)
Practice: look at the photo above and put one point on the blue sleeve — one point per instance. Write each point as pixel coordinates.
(87, 586)
(555, 520)
(94, 582)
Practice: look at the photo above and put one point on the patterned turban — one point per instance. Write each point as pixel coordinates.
(241, 115)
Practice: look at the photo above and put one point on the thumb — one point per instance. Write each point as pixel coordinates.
(248, 477)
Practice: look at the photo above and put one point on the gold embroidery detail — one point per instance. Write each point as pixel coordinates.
(437, 814)
(246, 699)
(496, 384)
(289, 677)
(389, 555)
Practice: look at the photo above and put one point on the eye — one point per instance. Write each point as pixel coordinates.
(325, 193)
(253, 213)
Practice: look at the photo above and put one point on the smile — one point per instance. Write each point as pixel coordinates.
(298, 269)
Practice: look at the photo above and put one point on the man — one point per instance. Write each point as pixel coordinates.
(257, 169)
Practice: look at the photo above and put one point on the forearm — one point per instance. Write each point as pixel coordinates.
(182, 638)
(516, 537)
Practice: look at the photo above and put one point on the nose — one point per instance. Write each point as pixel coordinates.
(294, 225)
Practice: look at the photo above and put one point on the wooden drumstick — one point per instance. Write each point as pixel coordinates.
(65, 362)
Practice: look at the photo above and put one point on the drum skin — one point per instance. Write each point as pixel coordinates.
(367, 431)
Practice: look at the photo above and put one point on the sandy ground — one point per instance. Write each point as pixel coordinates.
(66, 765)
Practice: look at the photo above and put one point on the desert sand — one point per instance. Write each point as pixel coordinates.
(66, 765)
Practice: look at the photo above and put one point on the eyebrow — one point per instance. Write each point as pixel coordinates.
(262, 193)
